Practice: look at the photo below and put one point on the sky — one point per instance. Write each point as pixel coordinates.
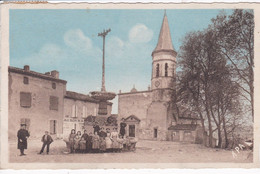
(67, 41)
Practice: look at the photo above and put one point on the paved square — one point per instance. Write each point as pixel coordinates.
(146, 152)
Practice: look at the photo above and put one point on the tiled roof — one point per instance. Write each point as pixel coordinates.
(137, 92)
(183, 127)
(82, 97)
(79, 96)
(35, 74)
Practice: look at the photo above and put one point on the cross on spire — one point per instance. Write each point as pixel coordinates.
(164, 41)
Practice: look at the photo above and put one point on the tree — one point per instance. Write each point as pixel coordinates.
(216, 71)
(235, 35)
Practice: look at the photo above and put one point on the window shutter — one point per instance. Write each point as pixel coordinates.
(76, 111)
(51, 126)
(84, 111)
(25, 121)
(25, 99)
(54, 103)
(73, 111)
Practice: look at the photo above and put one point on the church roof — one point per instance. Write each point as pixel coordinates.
(164, 41)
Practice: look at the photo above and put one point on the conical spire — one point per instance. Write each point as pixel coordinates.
(164, 41)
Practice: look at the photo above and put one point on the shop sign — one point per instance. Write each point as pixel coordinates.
(73, 120)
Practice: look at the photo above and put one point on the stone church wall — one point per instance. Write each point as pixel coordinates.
(135, 103)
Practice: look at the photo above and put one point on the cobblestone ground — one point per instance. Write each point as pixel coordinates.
(146, 152)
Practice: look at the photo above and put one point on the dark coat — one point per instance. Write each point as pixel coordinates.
(48, 141)
(89, 142)
(122, 128)
(22, 136)
(84, 137)
(102, 134)
(96, 128)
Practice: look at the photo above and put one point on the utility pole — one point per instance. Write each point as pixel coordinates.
(103, 34)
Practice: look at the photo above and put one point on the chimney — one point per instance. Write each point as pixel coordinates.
(120, 91)
(149, 88)
(55, 74)
(26, 67)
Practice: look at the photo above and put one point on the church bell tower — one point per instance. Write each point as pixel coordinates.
(164, 65)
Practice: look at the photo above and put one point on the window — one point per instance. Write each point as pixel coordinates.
(74, 111)
(188, 133)
(25, 121)
(53, 126)
(157, 70)
(84, 112)
(25, 99)
(25, 80)
(54, 103)
(174, 134)
(166, 69)
(53, 85)
(131, 130)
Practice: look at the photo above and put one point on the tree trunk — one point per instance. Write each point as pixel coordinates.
(225, 133)
(219, 138)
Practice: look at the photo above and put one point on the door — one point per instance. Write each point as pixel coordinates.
(53, 127)
(155, 132)
(131, 130)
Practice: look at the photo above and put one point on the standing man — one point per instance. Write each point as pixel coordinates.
(96, 128)
(46, 140)
(22, 136)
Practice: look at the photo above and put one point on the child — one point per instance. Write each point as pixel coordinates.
(47, 140)
(95, 145)
(71, 140)
(102, 135)
(76, 141)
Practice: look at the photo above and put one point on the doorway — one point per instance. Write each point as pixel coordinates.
(155, 132)
(131, 130)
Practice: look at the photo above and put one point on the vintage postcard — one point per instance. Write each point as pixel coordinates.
(129, 85)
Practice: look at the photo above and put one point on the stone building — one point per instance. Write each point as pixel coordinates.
(36, 100)
(151, 114)
(77, 108)
(42, 102)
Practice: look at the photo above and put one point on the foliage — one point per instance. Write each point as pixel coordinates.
(216, 77)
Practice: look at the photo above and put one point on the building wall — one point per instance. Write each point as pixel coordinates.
(76, 120)
(154, 115)
(39, 113)
(135, 103)
(156, 119)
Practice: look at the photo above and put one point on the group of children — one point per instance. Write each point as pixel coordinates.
(100, 141)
